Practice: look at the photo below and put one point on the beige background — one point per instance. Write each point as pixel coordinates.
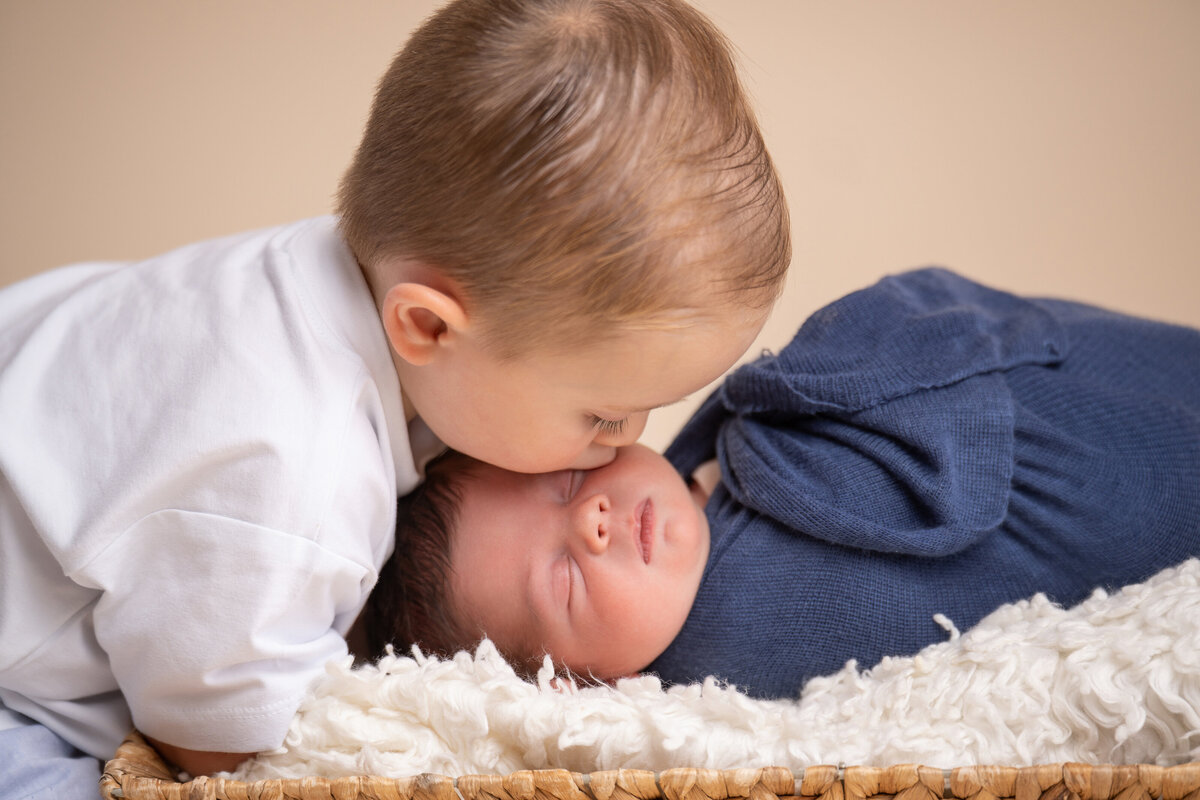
(1046, 147)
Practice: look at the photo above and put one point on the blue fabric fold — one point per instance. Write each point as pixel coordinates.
(830, 438)
(921, 330)
(930, 445)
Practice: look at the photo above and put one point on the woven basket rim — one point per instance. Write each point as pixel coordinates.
(138, 772)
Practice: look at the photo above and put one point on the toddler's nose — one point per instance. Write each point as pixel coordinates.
(591, 524)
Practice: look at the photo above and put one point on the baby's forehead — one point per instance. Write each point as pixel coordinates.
(486, 483)
(478, 478)
(482, 475)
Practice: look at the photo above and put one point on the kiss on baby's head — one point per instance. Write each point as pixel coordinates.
(564, 215)
(596, 568)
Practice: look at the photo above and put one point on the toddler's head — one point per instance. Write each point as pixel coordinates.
(571, 180)
(597, 568)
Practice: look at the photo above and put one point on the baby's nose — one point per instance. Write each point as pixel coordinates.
(591, 523)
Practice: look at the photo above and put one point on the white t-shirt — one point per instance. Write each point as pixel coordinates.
(200, 456)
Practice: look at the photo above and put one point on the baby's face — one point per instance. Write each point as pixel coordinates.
(597, 568)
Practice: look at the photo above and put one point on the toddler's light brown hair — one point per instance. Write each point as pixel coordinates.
(572, 165)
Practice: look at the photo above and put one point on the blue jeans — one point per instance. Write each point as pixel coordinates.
(35, 764)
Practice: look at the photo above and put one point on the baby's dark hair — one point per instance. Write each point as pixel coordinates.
(411, 602)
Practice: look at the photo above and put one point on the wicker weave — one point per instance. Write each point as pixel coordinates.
(138, 773)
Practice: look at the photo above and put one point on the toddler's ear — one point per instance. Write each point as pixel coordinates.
(418, 319)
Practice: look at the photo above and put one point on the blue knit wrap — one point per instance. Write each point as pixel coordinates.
(932, 445)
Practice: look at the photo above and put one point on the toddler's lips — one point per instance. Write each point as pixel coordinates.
(645, 530)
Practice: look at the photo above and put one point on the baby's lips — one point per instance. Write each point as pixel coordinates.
(645, 530)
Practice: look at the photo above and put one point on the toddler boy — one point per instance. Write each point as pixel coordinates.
(561, 216)
(925, 445)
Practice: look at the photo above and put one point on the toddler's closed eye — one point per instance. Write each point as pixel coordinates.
(609, 427)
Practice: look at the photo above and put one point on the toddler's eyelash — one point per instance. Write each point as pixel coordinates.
(610, 427)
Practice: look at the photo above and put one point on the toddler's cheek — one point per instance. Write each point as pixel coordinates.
(594, 456)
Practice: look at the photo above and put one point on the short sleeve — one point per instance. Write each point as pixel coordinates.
(216, 642)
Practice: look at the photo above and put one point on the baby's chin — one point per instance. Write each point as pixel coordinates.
(630, 664)
(610, 676)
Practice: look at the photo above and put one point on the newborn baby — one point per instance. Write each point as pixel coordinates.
(927, 445)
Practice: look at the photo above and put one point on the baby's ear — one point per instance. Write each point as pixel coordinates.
(419, 318)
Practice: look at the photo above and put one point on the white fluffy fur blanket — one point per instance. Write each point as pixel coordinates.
(1114, 680)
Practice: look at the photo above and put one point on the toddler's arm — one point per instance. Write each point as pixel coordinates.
(199, 762)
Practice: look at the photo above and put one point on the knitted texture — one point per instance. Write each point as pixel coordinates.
(932, 445)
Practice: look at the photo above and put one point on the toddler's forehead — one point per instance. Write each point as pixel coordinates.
(589, 330)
